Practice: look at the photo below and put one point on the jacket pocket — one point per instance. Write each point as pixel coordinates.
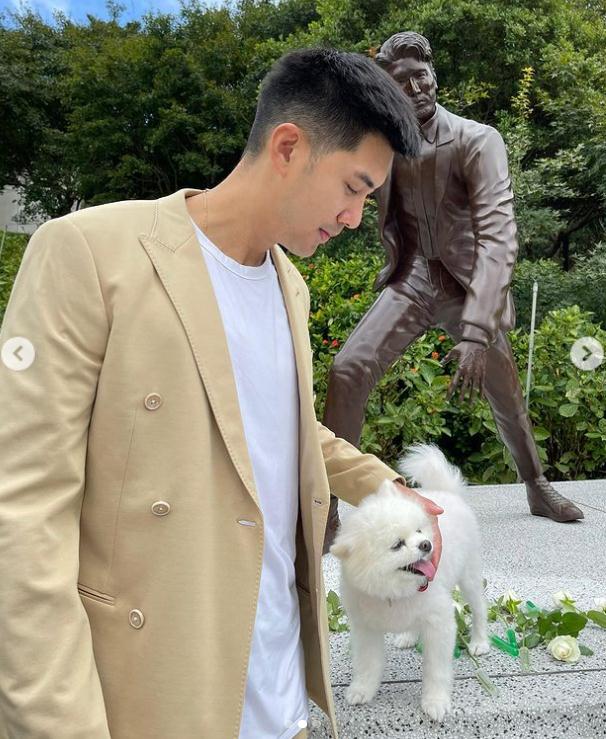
(97, 595)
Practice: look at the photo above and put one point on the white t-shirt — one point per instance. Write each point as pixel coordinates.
(262, 356)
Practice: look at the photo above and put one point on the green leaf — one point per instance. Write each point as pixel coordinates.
(585, 651)
(572, 624)
(568, 409)
(427, 372)
(597, 617)
(533, 640)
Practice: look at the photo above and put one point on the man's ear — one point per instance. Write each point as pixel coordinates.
(283, 141)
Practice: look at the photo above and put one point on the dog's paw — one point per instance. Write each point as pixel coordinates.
(436, 706)
(479, 646)
(405, 639)
(359, 693)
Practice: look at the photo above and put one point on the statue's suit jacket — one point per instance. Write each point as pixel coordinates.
(131, 537)
(475, 224)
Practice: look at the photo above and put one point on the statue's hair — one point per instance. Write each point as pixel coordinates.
(336, 98)
(401, 45)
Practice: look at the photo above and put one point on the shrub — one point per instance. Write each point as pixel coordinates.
(10, 259)
(409, 403)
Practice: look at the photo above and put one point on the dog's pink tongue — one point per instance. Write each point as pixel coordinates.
(427, 568)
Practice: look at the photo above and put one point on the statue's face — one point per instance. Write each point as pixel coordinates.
(418, 83)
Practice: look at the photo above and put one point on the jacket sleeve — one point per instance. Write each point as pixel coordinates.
(49, 684)
(351, 474)
(490, 195)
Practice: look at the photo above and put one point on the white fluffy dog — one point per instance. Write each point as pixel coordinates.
(384, 547)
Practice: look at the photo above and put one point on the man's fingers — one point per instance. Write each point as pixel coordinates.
(433, 509)
(437, 544)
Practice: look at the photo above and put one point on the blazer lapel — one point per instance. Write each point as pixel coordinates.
(309, 490)
(175, 252)
(297, 317)
(443, 154)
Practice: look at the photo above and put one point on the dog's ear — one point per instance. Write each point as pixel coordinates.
(340, 549)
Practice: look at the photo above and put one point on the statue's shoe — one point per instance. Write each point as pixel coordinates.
(332, 524)
(544, 500)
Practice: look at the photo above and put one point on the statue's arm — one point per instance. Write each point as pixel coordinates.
(490, 195)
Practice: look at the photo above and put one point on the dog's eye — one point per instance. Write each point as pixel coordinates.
(399, 544)
(418, 531)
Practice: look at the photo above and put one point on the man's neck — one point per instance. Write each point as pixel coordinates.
(231, 217)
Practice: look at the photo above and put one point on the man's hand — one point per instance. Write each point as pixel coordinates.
(433, 511)
(470, 373)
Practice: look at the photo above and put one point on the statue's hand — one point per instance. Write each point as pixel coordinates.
(470, 373)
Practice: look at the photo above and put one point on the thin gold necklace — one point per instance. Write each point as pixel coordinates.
(205, 222)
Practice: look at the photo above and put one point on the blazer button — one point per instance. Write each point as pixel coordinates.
(160, 508)
(136, 618)
(153, 401)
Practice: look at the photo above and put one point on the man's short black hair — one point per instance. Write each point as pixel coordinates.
(336, 98)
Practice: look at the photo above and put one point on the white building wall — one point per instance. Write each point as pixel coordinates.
(9, 208)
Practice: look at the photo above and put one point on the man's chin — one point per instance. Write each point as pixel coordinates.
(301, 250)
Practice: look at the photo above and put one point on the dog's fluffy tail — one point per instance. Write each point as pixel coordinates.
(426, 465)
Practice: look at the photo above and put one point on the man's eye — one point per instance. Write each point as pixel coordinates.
(351, 190)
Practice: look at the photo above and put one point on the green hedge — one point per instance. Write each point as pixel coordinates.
(10, 259)
(409, 404)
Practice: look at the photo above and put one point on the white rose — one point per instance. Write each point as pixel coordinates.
(600, 603)
(564, 648)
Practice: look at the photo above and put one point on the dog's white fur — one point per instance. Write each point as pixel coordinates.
(378, 597)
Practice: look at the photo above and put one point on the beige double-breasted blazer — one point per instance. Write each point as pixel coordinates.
(131, 536)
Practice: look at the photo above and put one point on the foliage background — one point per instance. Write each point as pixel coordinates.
(107, 110)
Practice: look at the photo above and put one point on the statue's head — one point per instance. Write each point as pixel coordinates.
(407, 57)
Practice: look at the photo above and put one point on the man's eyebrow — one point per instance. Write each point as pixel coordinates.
(365, 179)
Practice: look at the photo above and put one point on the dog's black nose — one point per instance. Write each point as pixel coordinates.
(425, 546)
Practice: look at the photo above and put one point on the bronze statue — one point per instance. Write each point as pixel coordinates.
(446, 221)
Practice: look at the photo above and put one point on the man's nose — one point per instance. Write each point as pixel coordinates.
(351, 218)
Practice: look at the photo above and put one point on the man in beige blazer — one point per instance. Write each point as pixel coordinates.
(131, 531)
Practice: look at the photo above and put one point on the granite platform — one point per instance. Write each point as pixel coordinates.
(535, 557)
